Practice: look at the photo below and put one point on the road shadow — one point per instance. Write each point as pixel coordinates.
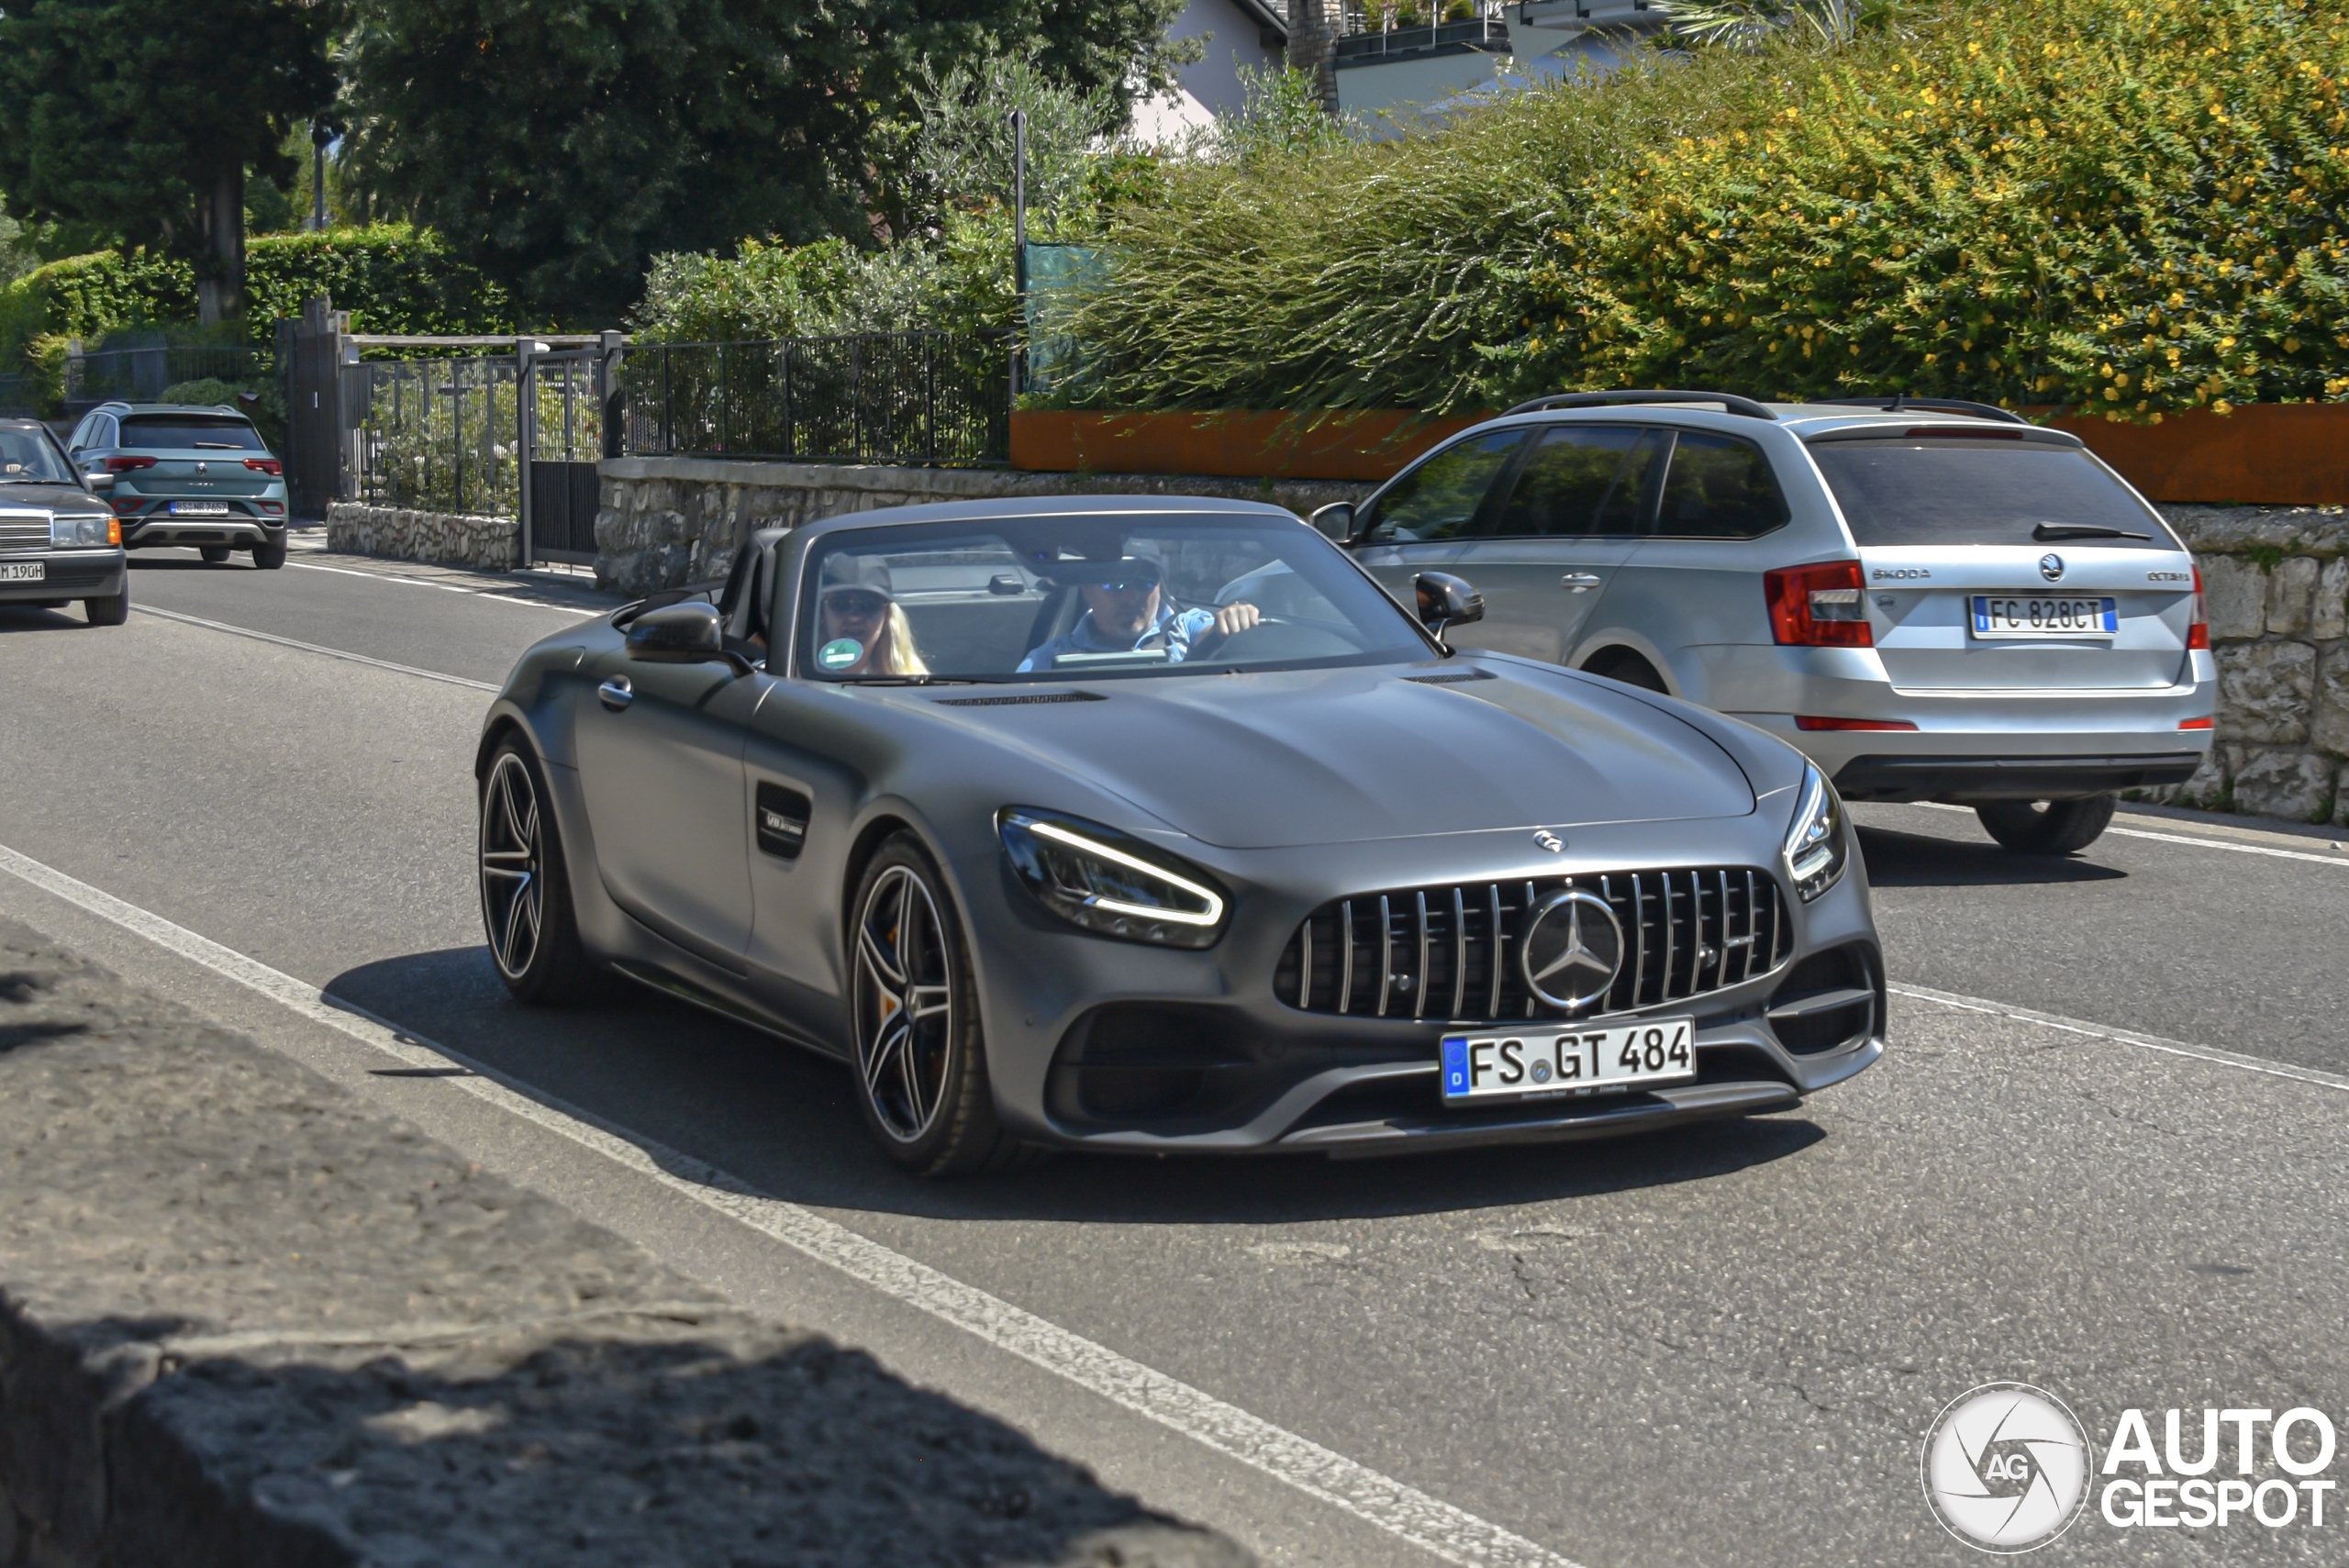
(677, 1081)
(189, 563)
(1915, 860)
(25, 617)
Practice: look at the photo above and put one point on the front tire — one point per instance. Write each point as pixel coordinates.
(112, 610)
(269, 556)
(526, 905)
(2047, 826)
(921, 1057)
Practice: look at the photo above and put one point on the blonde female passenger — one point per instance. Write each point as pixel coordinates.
(861, 629)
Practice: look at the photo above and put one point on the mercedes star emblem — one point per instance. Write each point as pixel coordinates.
(2052, 568)
(1549, 841)
(1572, 949)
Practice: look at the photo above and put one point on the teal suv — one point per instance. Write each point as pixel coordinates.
(187, 476)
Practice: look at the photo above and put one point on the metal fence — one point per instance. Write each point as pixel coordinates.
(142, 373)
(21, 397)
(436, 434)
(939, 398)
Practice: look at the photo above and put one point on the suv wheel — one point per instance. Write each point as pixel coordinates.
(2046, 827)
(269, 556)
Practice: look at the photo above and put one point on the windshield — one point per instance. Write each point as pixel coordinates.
(176, 432)
(1979, 492)
(1075, 595)
(29, 457)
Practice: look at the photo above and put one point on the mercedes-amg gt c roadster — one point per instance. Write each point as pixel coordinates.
(1153, 824)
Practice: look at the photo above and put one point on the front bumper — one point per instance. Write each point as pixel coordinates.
(1204, 1057)
(66, 574)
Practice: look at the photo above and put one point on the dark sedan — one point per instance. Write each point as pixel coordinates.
(1156, 825)
(58, 542)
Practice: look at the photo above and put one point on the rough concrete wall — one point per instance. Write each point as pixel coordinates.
(2277, 583)
(1313, 29)
(486, 544)
(245, 1322)
(667, 521)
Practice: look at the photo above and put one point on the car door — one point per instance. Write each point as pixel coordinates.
(1573, 512)
(1419, 522)
(1696, 579)
(660, 768)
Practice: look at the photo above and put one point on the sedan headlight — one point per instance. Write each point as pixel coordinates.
(1110, 883)
(73, 527)
(1816, 848)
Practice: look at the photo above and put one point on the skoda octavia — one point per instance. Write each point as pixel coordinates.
(1157, 825)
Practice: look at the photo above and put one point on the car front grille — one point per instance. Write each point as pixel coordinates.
(1449, 952)
(21, 532)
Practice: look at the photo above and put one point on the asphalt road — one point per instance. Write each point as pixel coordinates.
(1720, 1347)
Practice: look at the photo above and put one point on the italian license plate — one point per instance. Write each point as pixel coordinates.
(199, 509)
(1551, 1063)
(24, 571)
(2042, 615)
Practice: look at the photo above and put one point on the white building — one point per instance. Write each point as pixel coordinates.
(1235, 33)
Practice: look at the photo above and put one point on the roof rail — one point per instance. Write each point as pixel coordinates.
(1902, 403)
(1728, 400)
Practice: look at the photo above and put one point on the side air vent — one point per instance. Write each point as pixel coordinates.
(1829, 1001)
(1451, 952)
(1028, 701)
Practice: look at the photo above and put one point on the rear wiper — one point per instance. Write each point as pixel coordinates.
(2048, 533)
(218, 446)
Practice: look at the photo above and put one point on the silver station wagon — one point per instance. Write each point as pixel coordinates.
(1934, 600)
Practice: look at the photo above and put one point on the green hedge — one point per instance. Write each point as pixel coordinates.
(2133, 203)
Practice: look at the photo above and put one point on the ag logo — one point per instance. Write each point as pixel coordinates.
(1572, 948)
(2006, 1468)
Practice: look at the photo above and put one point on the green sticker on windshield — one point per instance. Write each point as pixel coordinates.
(839, 653)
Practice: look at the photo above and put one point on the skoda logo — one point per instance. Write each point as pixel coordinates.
(2006, 1468)
(2052, 568)
(1572, 949)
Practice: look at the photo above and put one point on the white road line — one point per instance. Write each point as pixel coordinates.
(1449, 1533)
(2197, 842)
(2210, 1053)
(445, 587)
(343, 653)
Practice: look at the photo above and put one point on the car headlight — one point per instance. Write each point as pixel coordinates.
(97, 527)
(1110, 883)
(1816, 848)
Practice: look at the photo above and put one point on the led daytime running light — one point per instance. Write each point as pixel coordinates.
(1078, 841)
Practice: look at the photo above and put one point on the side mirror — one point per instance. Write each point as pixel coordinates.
(687, 633)
(99, 479)
(1445, 601)
(1335, 521)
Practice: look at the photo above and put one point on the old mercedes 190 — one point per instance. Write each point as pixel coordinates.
(1156, 825)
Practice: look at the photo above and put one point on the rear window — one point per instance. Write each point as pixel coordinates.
(190, 431)
(1982, 493)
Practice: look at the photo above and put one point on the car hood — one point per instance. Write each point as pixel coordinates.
(1343, 756)
(71, 499)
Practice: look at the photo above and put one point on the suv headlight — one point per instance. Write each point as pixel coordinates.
(95, 528)
(1816, 849)
(1110, 883)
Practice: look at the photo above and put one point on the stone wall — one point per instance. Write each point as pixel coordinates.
(486, 544)
(667, 521)
(2277, 579)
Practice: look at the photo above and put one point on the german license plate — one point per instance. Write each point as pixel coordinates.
(2042, 615)
(199, 509)
(1551, 1063)
(24, 572)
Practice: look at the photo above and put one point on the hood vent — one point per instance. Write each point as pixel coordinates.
(1020, 701)
(1457, 678)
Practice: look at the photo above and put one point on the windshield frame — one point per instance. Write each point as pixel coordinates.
(794, 591)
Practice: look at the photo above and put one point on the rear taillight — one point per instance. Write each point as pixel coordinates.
(269, 465)
(2197, 630)
(2198, 724)
(125, 464)
(1819, 607)
(1814, 721)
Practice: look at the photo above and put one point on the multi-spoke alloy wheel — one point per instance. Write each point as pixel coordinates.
(513, 858)
(905, 1005)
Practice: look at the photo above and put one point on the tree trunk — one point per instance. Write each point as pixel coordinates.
(221, 292)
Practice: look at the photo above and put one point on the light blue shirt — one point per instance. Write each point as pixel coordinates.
(1173, 631)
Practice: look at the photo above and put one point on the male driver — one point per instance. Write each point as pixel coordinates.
(1125, 613)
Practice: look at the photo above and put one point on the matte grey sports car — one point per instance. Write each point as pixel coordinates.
(1155, 824)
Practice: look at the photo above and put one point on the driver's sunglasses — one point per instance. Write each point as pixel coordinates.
(863, 607)
(1128, 585)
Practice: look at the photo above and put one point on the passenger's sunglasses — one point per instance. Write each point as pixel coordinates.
(1128, 585)
(863, 607)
